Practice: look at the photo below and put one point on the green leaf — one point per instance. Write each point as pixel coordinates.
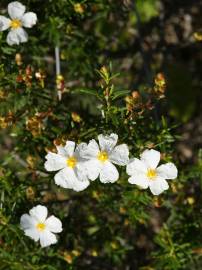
(119, 94)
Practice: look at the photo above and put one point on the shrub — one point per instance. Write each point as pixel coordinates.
(97, 88)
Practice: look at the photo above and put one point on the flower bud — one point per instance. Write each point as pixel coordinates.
(78, 8)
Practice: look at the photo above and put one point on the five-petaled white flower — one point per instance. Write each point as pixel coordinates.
(37, 226)
(145, 173)
(71, 167)
(19, 19)
(100, 158)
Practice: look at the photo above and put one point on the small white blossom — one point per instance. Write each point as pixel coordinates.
(145, 173)
(100, 158)
(19, 19)
(71, 167)
(37, 226)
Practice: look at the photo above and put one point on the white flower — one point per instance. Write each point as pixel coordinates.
(19, 19)
(71, 167)
(100, 158)
(145, 173)
(37, 226)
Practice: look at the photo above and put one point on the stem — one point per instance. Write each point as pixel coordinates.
(2, 199)
(57, 67)
(57, 60)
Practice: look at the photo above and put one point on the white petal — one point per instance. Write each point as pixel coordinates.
(69, 148)
(80, 185)
(89, 151)
(39, 212)
(47, 238)
(4, 23)
(29, 19)
(167, 171)
(81, 171)
(27, 222)
(65, 178)
(139, 179)
(158, 186)
(53, 224)
(151, 158)
(32, 233)
(107, 143)
(136, 166)
(16, 36)
(54, 162)
(80, 148)
(93, 167)
(119, 155)
(61, 151)
(16, 10)
(109, 173)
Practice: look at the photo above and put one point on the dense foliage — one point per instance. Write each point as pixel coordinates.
(113, 56)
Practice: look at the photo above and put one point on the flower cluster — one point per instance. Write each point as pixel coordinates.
(78, 165)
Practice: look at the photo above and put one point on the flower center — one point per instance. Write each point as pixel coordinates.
(71, 162)
(151, 174)
(102, 156)
(40, 227)
(15, 24)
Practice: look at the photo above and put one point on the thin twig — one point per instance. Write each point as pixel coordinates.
(57, 60)
(57, 66)
(2, 199)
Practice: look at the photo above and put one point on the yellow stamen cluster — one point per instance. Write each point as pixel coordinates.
(41, 226)
(15, 24)
(102, 156)
(71, 162)
(151, 174)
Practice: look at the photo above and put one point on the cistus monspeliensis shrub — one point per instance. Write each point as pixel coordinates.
(80, 102)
